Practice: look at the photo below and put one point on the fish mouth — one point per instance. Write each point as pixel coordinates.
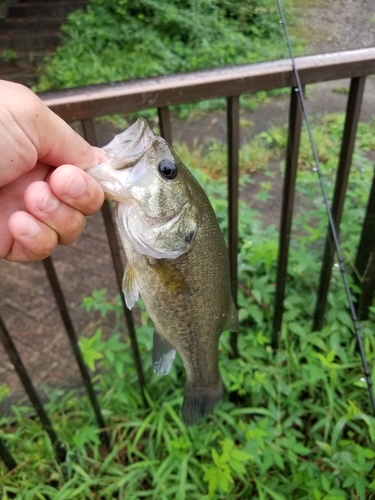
(123, 152)
(131, 145)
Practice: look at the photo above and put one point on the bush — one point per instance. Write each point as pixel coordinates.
(123, 39)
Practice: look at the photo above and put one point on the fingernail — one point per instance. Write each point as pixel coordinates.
(75, 186)
(48, 203)
(30, 229)
(102, 157)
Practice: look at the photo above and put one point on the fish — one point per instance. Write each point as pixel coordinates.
(177, 259)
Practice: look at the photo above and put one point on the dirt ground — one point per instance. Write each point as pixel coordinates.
(331, 25)
(26, 303)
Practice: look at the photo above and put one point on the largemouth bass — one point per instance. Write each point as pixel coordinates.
(177, 259)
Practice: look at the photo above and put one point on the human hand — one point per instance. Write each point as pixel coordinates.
(44, 192)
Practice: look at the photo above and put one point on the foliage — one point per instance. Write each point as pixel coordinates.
(123, 39)
(293, 424)
(9, 55)
(299, 429)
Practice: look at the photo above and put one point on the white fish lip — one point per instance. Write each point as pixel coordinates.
(105, 176)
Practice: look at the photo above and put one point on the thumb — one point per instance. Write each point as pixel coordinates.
(41, 133)
(58, 144)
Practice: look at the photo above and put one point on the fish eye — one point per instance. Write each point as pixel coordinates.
(168, 169)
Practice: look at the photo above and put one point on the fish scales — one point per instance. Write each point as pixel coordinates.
(177, 261)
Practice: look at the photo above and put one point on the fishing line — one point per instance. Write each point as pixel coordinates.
(331, 220)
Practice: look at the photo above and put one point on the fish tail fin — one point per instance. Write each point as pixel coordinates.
(200, 401)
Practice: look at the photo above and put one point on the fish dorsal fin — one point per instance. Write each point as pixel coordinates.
(163, 355)
(130, 287)
(232, 319)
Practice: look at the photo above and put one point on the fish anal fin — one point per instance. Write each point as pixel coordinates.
(163, 354)
(232, 318)
(199, 402)
(130, 287)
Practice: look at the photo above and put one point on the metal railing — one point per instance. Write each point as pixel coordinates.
(85, 104)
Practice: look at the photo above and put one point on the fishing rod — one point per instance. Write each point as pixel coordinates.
(331, 220)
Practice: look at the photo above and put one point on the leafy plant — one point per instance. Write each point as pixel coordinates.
(230, 461)
(121, 40)
(9, 55)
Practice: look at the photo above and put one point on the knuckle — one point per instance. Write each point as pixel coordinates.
(46, 245)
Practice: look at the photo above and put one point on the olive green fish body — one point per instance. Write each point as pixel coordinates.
(189, 300)
(177, 261)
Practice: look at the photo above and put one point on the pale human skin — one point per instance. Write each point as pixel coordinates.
(45, 195)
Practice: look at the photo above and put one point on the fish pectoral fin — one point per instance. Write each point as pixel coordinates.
(199, 402)
(163, 354)
(232, 319)
(130, 287)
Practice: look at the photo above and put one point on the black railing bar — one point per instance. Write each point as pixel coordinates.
(6, 456)
(23, 375)
(135, 95)
(165, 124)
(72, 336)
(286, 217)
(335, 237)
(119, 270)
(353, 110)
(90, 135)
(233, 137)
(368, 287)
(364, 266)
